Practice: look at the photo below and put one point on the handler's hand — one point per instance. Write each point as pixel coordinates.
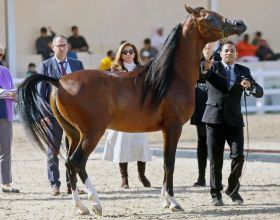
(246, 84)
(207, 64)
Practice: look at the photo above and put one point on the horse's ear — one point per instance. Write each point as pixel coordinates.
(189, 9)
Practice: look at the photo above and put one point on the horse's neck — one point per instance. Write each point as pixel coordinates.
(188, 53)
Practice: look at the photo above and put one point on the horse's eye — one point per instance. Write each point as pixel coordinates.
(203, 13)
(210, 18)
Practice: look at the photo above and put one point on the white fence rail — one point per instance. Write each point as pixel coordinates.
(267, 74)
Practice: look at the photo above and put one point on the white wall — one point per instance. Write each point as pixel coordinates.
(104, 23)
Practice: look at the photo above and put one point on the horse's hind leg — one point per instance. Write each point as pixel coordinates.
(72, 174)
(79, 159)
(73, 137)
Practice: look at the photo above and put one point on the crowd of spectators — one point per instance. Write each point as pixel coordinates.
(257, 50)
(248, 50)
(78, 43)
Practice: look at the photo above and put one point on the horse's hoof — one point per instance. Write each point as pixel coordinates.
(97, 209)
(166, 204)
(176, 208)
(82, 210)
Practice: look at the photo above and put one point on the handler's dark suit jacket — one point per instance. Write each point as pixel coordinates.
(223, 105)
(50, 67)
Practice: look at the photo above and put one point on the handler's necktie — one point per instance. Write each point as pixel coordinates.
(228, 71)
(63, 71)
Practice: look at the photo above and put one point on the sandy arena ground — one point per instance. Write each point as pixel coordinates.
(260, 183)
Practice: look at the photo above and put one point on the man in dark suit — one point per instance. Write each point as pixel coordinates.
(56, 66)
(226, 82)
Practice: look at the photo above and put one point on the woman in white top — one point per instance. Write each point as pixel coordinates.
(122, 147)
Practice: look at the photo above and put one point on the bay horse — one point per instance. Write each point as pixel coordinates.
(159, 96)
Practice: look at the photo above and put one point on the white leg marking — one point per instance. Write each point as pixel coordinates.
(165, 201)
(83, 210)
(92, 196)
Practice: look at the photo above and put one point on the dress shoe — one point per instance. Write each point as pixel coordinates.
(199, 183)
(9, 190)
(217, 202)
(235, 197)
(55, 191)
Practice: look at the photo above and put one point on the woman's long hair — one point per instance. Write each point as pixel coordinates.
(118, 62)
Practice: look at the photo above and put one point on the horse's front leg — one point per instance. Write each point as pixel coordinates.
(171, 137)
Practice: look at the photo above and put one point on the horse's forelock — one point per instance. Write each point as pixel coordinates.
(198, 9)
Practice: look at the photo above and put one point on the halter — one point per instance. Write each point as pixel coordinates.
(223, 37)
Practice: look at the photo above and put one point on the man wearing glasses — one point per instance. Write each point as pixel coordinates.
(56, 66)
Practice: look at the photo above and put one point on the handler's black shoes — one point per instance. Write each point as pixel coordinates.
(217, 199)
(217, 202)
(199, 183)
(235, 197)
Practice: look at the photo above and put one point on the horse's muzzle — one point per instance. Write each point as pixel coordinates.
(235, 26)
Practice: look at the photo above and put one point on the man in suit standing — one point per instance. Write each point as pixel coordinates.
(56, 66)
(226, 82)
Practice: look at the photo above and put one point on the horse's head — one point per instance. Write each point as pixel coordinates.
(213, 26)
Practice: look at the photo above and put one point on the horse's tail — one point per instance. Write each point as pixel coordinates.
(33, 108)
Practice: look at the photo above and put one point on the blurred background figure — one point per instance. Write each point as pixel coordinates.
(246, 51)
(106, 62)
(264, 51)
(146, 57)
(157, 39)
(77, 41)
(31, 69)
(147, 47)
(122, 42)
(43, 43)
(2, 54)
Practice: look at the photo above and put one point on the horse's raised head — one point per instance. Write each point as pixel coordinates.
(212, 26)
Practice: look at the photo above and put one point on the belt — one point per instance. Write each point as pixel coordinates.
(201, 86)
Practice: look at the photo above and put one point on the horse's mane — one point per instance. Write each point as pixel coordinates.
(158, 72)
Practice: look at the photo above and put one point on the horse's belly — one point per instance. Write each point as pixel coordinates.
(135, 123)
